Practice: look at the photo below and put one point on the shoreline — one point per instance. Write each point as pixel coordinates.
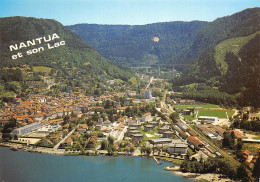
(192, 176)
(204, 176)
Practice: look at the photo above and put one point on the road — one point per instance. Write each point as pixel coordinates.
(149, 83)
(163, 104)
(122, 134)
(57, 146)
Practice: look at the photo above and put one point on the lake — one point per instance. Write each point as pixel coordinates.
(24, 166)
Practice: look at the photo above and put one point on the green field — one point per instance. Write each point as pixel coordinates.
(189, 117)
(42, 69)
(133, 80)
(203, 106)
(220, 114)
(16, 83)
(190, 85)
(119, 80)
(7, 94)
(230, 113)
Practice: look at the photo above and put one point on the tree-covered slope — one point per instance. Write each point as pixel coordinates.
(240, 24)
(74, 53)
(231, 35)
(179, 42)
(233, 67)
(228, 59)
(153, 43)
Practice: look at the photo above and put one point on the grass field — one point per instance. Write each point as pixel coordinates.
(7, 94)
(16, 83)
(42, 69)
(133, 80)
(230, 113)
(189, 117)
(203, 106)
(119, 80)
(190, 85)
(220, 114)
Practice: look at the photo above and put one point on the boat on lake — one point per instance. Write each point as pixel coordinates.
(14, 148)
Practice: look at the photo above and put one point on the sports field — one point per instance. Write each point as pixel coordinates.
(42, 69)
(216, 113)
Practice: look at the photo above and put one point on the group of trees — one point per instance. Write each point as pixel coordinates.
(7, 129)
(126, 147)
(146, 150)
(174, 116)
(75, 57)
(228, 140)
(215, 165)
(245, 124)
(238, 86)
(205, 93)
(108, 144)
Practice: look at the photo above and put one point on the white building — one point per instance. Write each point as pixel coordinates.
(147, 117)
(177, 146)
(49, 128)
(148, 94)
(26, 129)
(131, 93)
(208, 119)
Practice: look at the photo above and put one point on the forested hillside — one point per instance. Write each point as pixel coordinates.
(70, 52)
(240, 24)
(144, 44)
(229, 61)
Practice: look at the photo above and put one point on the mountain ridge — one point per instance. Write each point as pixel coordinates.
(132, 44)
(135, 46)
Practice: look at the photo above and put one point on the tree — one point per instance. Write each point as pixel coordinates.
(143, 149)
(110, 140)
(104, 144)
(174, 116)
(148, 150)
(110, 148)
(228, 140)
(256, 169)
(66, 119)
(83, 144)
(127, 149)
(239, 145)
(242, 173)
(132, 148)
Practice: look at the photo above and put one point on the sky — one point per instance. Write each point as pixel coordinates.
(131, 12)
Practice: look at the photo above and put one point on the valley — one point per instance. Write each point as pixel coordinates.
(185, 92)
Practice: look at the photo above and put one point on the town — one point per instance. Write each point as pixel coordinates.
(141, 118)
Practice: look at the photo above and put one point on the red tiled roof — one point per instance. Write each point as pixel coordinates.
(146, 114)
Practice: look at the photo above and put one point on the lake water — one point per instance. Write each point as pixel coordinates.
(23, 166)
